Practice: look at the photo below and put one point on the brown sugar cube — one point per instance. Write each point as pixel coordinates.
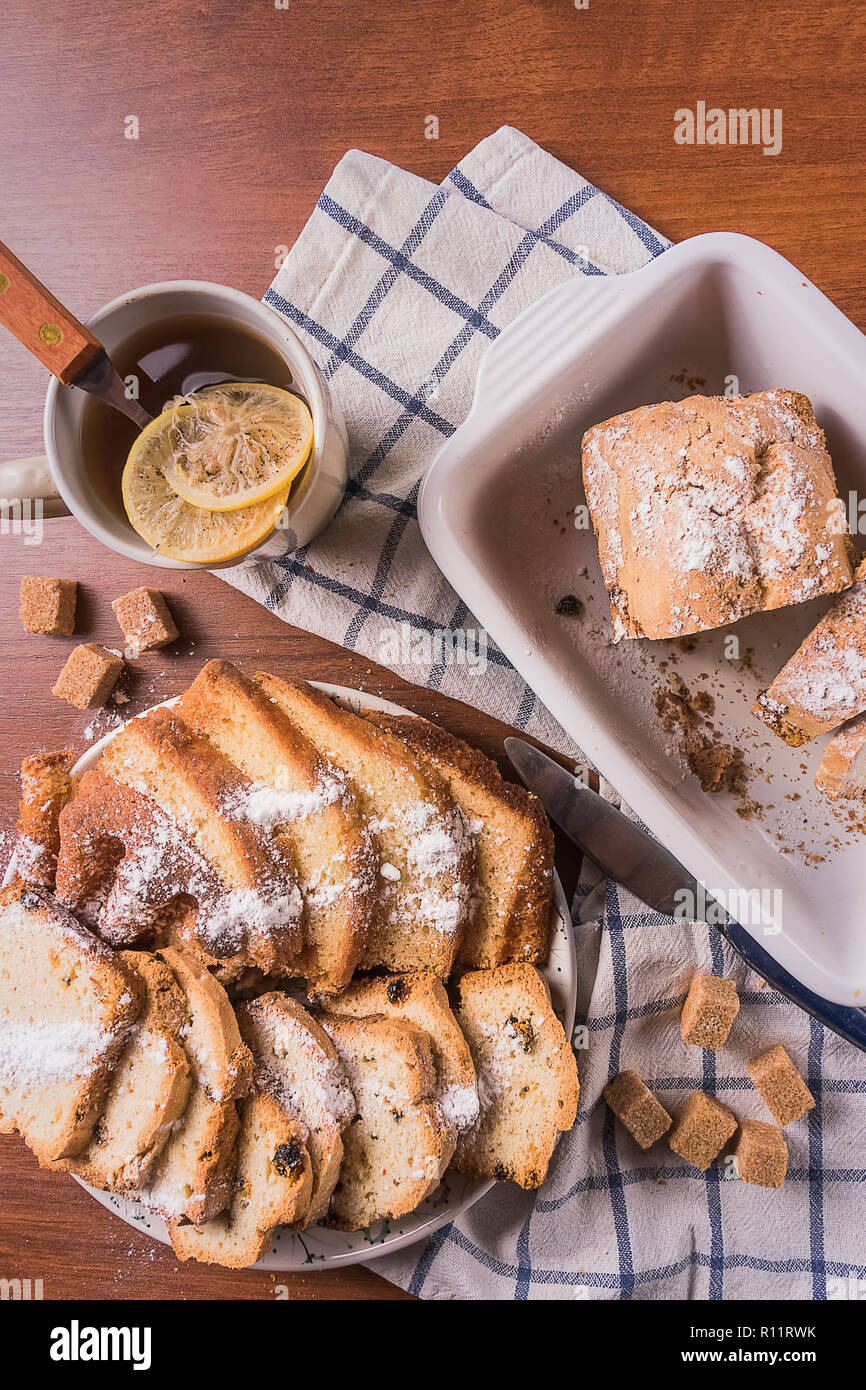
(47, 605)
(761, 1154)
(709, 1012)
(89, 676)
(702, 1130)
(781, 1085)
(632, 1101)
(144, 620)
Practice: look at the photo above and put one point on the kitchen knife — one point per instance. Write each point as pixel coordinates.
(630, 856)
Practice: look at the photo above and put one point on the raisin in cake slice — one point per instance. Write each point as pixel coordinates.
(296, 1061)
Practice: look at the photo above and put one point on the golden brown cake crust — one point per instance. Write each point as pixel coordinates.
(324, 836)
(824, 683)
(843, 766)
(46, 786)
(712, 508)
(517, 926)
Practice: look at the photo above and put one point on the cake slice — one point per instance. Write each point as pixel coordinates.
(425, 854)
(711, 508)
(309, 805)
(527, 1075)
(148, 1090)
(843, 767)
(193, 1177)
(513, 888)
(420, 998)
(125, 868)
(66, 1009)
(272, 1188)
(400, 1144)
(824, 683)
(256, 921)
(296, 1061)
(46, 786)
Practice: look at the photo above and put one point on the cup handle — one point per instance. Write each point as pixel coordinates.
(30, 480)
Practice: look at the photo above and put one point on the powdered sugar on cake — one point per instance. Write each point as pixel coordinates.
(710, 509)
(43, 1052)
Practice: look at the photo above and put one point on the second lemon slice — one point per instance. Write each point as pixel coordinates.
(230, 447)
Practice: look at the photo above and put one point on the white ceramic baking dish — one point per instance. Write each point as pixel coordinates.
(497, 511)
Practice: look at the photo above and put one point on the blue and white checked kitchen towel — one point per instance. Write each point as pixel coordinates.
(397, 287)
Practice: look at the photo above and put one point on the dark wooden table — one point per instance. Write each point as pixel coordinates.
(243, 109)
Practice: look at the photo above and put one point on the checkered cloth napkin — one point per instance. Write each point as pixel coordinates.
(397, 286)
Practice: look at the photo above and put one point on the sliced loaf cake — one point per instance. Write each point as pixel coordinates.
(420, 998)
(193, 1177)
(426, 856)
(527, 1074)
(66, 1009)
(272, 1188)
(297, 1062)
(308, 804)
(399, 1144)
(149, 1087)
(513, 895)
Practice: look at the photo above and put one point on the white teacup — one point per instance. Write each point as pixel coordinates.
(312, 503)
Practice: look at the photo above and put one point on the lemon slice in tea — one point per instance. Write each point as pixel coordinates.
(175, 528)
(229, 447)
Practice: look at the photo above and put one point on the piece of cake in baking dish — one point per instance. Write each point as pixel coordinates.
(712, 508)
(824, 683)
(843, 766)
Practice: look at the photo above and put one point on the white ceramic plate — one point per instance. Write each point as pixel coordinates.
(496, 511)
(319, 1246)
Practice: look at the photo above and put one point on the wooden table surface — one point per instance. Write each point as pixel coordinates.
(243, 109)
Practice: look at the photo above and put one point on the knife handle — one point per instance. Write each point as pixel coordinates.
(40, 322)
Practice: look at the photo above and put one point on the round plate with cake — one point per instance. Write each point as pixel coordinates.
(319, 1244)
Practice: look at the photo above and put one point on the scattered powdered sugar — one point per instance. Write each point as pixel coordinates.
(302, 1075)
(498, 1048)
(827, 676)
(269, 806)
(35, 1054)
(432, 892)
(225, 923)
(460, 1105)
(104, 722)
(30, 859)
(161, 863)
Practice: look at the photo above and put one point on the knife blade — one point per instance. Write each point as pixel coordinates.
(629, 855)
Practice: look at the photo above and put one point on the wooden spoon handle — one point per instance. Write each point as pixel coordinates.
(41, 323)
